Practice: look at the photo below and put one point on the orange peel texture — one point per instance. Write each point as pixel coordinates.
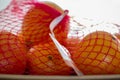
(12, 54)
(98, 53)
(44, 59)
(35, 28)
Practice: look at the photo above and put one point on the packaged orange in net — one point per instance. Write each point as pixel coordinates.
(28, 21)
(12, 49)
(96, 50)
(40, 38)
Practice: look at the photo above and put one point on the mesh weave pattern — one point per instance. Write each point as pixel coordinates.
(29, 22)
(24, 23)
(45, 59)
(97, 53)
(12, 54)
(12, 49)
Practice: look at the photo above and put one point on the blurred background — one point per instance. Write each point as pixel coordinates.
(100, 10)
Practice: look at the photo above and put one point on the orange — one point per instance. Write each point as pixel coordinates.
(54, 6)
(98, 53)
(44, 59)
(35, 27)
(12, 54)
(72, 43)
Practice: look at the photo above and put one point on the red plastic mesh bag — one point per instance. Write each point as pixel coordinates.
(12, 20)
(95, 49)
(12, 48)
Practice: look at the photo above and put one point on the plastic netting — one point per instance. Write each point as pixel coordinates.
(22, 19)
(12, 49)
(95, 49)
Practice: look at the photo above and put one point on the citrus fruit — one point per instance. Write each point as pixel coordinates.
(44, 59)
(12, 54)
(35, 27)
(98, 53)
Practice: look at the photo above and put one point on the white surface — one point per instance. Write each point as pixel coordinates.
(107, 10)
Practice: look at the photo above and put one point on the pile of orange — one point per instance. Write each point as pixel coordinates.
(43, 56)
(33, 52)
(36, 54)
